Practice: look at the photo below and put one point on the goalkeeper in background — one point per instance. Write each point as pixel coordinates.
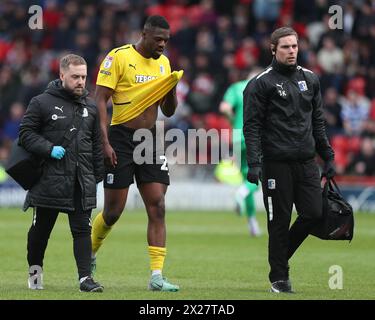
(232, 107)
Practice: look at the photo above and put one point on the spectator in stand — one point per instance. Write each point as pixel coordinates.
(224, 31)
(203, 87)
(247, 54)
(33, 83)
(354, 113)
(349, 16)
(268, 11)
(11, 126)
(355, 109)
(364, 20)
(330, 57)
(351, 57)
(363, 163)
(205, 41)
(63, 35)
(313, 65)
(9, 87)
(369, 127)
(332, 113)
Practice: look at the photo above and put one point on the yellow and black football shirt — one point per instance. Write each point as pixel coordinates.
(137, 82)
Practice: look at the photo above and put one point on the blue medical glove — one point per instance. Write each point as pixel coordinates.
(57, 152)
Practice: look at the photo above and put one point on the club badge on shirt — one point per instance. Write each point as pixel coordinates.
(302, 85)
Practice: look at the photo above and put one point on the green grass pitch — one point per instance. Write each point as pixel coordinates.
(210, 255)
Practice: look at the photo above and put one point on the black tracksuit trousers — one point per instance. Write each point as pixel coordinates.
(80, 226)
(285, 184)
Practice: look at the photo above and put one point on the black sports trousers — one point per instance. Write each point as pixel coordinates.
(80, 226)
(285, 184)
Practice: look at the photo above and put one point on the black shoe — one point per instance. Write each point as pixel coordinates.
(281, 286)
(89, 285)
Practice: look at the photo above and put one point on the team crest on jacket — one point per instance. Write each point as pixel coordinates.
(280, 89)
(302, 85)
(85, 113)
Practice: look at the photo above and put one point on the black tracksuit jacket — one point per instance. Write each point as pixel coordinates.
(283, 116)
(46, 120)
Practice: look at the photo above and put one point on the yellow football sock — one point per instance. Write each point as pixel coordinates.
(99, 232)
(157, 256)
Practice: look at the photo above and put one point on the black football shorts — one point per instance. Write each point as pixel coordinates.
(144, 159)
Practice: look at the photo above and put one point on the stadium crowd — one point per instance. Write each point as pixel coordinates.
(216, 43)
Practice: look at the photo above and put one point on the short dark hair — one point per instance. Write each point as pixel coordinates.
(156, 22)
(280, 33)
(71, 59)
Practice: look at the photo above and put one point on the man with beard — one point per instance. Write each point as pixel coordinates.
(61, 126)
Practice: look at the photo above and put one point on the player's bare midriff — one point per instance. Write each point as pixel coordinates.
(145, 120)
